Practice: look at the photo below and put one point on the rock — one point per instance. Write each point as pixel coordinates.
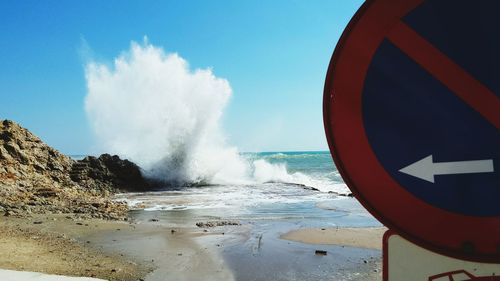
(321, 253)
(46, 192)
(109, 173)
(216, 223)
(35, 178)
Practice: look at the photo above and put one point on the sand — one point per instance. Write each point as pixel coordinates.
(369, 238)
(110, 250)
(152, 251)
(26, 246)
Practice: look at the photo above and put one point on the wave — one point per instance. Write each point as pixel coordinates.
(265, 172)
(151, 108)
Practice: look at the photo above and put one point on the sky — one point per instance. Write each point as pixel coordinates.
(274, 54)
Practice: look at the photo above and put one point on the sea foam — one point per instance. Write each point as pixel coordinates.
(150, 107)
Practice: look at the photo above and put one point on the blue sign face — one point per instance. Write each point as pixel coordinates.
(438, 146)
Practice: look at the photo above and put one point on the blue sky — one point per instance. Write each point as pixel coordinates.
(274, 54)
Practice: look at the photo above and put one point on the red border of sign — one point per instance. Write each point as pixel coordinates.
(438, 230)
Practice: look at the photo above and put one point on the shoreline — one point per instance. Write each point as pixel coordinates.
(54, 244)
(156, 251)
(364, 237)
(110, 250)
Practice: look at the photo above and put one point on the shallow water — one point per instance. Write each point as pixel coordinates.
(266, 202)
(264, 256)
(255, 251)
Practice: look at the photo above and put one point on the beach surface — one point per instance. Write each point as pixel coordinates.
(151, 250)
(109, 250)
(370, 238)
(54, 244)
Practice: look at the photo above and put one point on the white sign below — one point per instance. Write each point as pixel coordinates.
(405, 261)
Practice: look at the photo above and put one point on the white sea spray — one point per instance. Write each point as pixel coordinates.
(151, 108)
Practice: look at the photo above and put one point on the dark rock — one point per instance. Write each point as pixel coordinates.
(216, 223)
(321, 252)
(109, 173)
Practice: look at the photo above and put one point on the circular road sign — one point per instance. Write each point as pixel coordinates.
(412, 117)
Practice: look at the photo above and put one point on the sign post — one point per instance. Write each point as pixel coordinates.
(412, 117)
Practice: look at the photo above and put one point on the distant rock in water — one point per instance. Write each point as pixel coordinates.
(35, 178)
(108, 172)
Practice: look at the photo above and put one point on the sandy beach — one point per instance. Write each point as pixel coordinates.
(54, 244)
(105, 223)
(370, 238)
(110, 250)
(152, 251)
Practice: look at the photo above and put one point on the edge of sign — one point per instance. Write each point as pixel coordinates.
(327, 96)
(385, 254)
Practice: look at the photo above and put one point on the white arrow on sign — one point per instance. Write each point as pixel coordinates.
(426, 169)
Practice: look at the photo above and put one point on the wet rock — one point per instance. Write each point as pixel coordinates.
(109, 173)
(209, 224)
(321, 252)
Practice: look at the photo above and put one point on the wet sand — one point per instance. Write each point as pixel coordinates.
(110, 250)
(154, 250)
(369, 238)
(174, 253)
(50, 244)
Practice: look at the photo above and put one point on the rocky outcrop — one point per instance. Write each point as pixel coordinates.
(108, 173)
(35, 178)
(209, 224)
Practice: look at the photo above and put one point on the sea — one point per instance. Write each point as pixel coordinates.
(300, 190)
(301, 186)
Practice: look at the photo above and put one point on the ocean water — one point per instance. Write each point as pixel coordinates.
(287, 191)
(313, 169)
(301, 187)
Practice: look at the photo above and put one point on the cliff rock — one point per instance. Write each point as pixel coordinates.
(35, 178)
(108, 173)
